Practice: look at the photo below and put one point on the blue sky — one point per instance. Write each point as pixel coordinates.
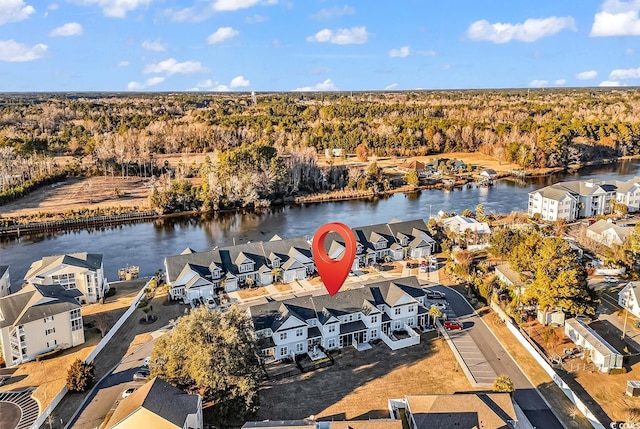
(298, 45)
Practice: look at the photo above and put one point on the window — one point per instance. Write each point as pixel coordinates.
(332, 328)
(312, 322)
(67, 281)
(374, 319)
(48, 319)
(284, 351)
(76, 324)
(283, 336)
(349, 318)
(332, 343)
(374, 333)
(299, 347)
(50, 331)
(397, 325)
(299, 332)
(397, 311)
(52, 343)
(89, 290)
(410, 321)
(412, 308)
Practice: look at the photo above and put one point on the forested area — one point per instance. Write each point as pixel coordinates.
(122, 134)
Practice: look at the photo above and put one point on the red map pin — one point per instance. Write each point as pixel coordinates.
(333, 272)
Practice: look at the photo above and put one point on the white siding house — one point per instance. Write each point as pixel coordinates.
(81, 271)
(629, 298)
(608, 233)
(601, 353)
(39, 319)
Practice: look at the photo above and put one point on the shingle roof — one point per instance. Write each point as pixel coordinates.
(160, 398)
(90, 261)
(34, 302)
(485, 410)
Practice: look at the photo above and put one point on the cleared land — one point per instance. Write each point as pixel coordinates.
(360, 383)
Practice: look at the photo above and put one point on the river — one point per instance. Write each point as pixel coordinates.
(146, 244)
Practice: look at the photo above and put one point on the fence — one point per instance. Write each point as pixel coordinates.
(548, 369)
(56, 400)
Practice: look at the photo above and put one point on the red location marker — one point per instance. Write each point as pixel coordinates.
(333, 272)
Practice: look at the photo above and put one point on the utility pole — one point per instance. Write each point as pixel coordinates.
(626, 314)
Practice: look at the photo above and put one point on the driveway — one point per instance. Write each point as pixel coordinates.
(526, 395)
(110, 388)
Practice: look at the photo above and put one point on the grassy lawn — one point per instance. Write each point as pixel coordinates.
(252, 293)
(360, 383)
(283, 287)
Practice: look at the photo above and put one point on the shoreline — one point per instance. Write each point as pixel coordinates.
(61, 222)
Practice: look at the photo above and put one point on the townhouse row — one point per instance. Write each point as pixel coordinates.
(583, 198)
(380, 310)
(199, 275)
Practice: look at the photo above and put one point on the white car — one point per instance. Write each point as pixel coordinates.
(441, 305)
(610, 279)
(146, 361)
(129, 391)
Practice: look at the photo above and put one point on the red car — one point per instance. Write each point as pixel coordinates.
(452, 324)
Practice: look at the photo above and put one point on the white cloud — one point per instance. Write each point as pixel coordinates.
(390, 87)
(559, 82)
(14, 11)
(342, 36)
(171, 66)
(399, 53)
(255, 19)
(528, 31)
(332, 13)
(15, 52)
(229, 5)
(222, 34)
(123, 63)
(538, 83)
(609, 83)
(617, 18)
(239, 82)
(221, 88)
(586, 75)
(206, 84)
(115, 8)
(67, 30)
(154, 45)
(619, 74)
(152, 81)
(327, 85)
(53, 6)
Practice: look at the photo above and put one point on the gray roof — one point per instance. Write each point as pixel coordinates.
(273, 314)
(160, 398)
(3, 269)
(291, 424)
(348, 328)
(591, 337)
(90, 261)
(34, 302)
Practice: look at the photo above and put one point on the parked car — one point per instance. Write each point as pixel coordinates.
(452, 325)
(435, 294)
(610, 279)
(146, 361)
(441, 305)
(141, 375)
(129, 391)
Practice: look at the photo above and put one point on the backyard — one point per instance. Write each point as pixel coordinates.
(360, 383)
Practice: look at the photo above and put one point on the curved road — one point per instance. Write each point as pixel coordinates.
(526, 395)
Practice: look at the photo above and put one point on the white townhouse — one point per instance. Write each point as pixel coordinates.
(81, 271)
(597, 349)
(5, 281)
(583, 198)
(199, 275)
(608, 233)
(459, 225)
(349, 318)
(38, 319)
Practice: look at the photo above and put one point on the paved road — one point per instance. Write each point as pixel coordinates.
(526, 395)
(110, 389)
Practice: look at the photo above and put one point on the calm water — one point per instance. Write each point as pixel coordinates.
(146, 244)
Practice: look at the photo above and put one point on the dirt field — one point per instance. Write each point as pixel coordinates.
(360, 383)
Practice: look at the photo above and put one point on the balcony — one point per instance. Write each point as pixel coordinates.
(396, 342)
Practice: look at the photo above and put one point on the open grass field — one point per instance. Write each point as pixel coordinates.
(360, 383)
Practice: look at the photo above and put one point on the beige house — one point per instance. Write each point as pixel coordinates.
(158, 405)
(38, 319)
(608, 233)
(5, 281)
(81, 271)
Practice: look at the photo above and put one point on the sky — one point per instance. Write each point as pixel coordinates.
(316, 45)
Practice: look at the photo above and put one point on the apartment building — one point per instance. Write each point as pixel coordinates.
(81, 271)
(38, 319)
(5, 281)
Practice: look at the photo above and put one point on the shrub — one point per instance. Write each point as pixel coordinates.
(110, 292)
(503, 384)
(48, 355)
(617, 371)
(80, 376)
